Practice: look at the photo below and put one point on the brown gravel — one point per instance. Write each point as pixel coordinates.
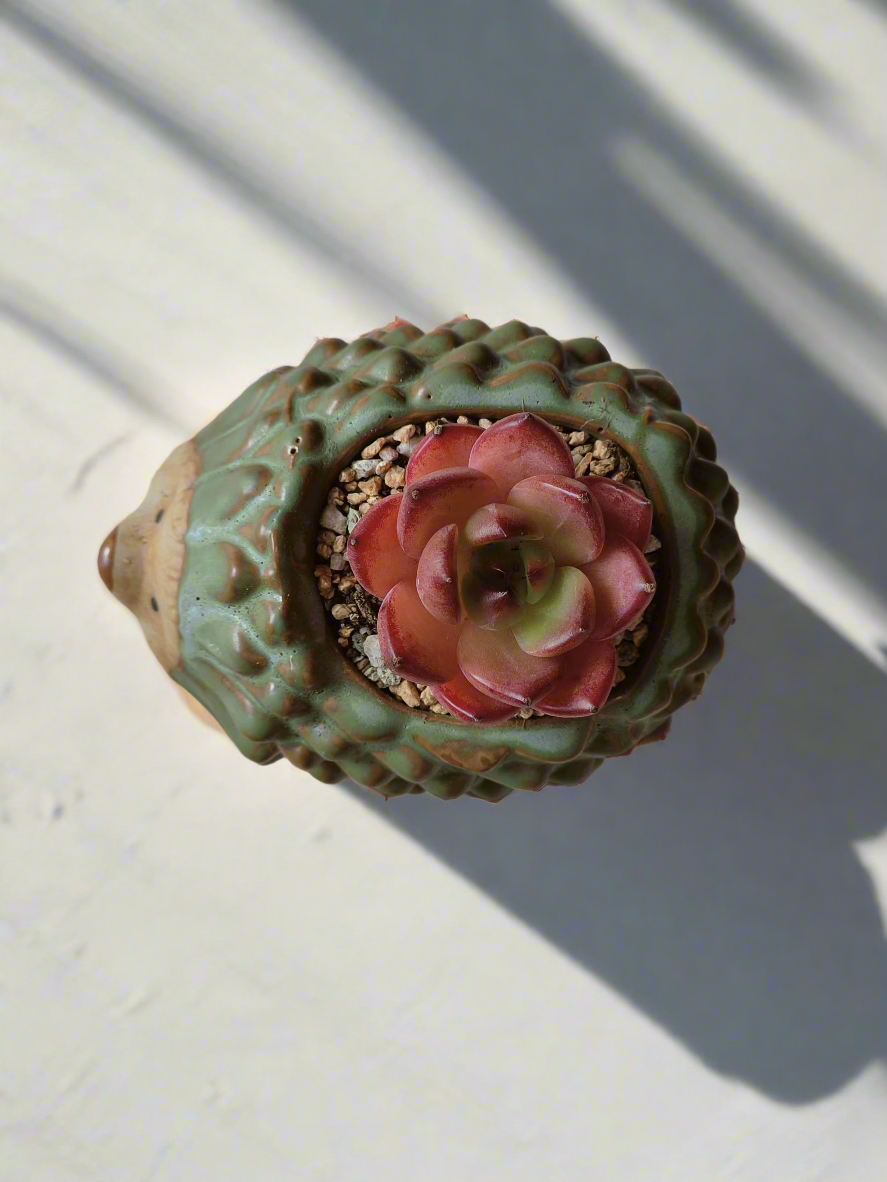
(377, 472)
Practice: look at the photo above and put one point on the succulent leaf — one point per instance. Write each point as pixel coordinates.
(492, 607)
(538, 569)
(446, 497)
(562, 619)
(448, 446)
(373, 549)
(413, 643)
(437, 578)
(495, 664)
(519, 446)
(625, 511)
(568, 515)
(623, 586)
(497, 523)
(586, 679)
(468, 703)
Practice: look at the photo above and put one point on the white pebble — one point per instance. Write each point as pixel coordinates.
(373, 650)
(332, 519)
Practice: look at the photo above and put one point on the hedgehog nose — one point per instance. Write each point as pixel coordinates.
(106, 559)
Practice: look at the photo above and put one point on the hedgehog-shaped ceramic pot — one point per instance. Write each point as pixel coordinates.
(218, 563)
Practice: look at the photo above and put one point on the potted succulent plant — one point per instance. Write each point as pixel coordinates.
(465, 561)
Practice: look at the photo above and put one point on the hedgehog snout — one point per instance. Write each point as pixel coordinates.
(106, 559)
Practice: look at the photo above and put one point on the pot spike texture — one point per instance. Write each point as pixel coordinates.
(499, 574)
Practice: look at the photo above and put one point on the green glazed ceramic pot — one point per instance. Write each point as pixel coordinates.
(218, 562)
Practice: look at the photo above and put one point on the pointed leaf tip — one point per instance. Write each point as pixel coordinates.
(446, 497)
(448, 446)
(495, 664)
(413, 643)
(625, 510)
(586, 679)
(623, 586)
(468, 703)
(562, 619)
(520, 446)
(567, 513)
(437, 578)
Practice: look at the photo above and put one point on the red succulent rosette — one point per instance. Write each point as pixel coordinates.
(504, 578)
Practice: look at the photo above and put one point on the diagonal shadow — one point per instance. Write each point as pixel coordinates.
(761, 49)
(57, 331)
(711, 879)
(198, 148)
(534, 112)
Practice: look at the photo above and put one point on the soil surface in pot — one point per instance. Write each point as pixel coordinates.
(380, 470)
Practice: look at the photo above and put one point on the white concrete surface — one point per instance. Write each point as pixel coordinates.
(210, 970)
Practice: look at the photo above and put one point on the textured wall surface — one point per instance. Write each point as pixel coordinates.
(211, 970)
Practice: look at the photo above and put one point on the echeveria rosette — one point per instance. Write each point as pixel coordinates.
(504, 578)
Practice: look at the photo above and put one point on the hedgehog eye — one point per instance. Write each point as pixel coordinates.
(158, 517)
(154, 604)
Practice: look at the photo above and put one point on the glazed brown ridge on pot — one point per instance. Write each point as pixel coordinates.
(239, 620)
